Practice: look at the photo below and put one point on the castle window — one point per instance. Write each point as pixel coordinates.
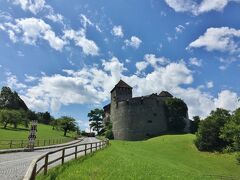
(149, 121)
(154, 114)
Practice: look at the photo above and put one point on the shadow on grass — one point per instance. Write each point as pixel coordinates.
(15, 129)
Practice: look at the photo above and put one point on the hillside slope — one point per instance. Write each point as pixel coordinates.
(164, 157)
(21, 133)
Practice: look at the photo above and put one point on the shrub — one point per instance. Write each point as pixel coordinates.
(109, 134)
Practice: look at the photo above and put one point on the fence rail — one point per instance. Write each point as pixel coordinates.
(19, 143)
(44, 161)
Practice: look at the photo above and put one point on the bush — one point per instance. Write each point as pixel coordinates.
(109, 134)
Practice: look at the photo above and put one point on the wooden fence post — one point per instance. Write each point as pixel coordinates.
(22, 144)
(33, 176)
(91, 148)
(75, 152)
(63, 154)
(96, 146)
(10, 144)
(46, 164)
(85, 149)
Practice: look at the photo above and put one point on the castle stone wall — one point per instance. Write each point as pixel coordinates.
(138, 118)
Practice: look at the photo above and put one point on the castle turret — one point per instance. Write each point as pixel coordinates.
(121, 92)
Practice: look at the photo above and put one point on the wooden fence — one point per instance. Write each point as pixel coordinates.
(10, 144)
(42, 163)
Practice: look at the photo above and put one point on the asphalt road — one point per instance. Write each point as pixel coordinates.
(13, 166)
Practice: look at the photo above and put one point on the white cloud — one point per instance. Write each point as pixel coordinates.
(55, 17)
(182, 5)
(209, 84)
(133, 42)
(195, 61)
(20, 54)
(85, 21)
(30, 30)
(33, 6)
(13, 82)
(198, 8)
(89, 47)
(141, 65)
(151, 59)
(179, 28)
(117, 31)
(5, 16)
(155, 61)
(92, 85)
(227, 100)
(30, 78)
(219, 39)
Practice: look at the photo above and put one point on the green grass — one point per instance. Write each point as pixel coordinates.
(21, 133)
(164, 157)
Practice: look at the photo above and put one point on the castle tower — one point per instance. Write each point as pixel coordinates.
(121, 92)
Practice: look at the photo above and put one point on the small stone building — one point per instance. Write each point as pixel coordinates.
(136, 118)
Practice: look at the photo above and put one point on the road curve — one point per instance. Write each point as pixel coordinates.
(13, 166)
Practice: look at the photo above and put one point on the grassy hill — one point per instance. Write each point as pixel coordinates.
(164, 157)
(21, 133)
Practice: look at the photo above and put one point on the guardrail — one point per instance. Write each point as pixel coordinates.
(43, 162)
(18, 143)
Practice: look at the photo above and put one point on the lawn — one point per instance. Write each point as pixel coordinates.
(164, 157)
(21, 133)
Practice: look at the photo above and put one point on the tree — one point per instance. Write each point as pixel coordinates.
(67, 124)
(12, 117)
(231, 131)
(208, 135)
(44, 118)
(11, 100)
(194, 124)
(96, 119)
(176, 113)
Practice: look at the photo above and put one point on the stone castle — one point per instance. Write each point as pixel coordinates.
(136, 118)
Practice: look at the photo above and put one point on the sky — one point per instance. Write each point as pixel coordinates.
(65, 56)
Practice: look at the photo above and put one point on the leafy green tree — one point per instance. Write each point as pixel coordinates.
(96, 119)
(194, 124)
(44, 117)
(231, 131)
(67, 124)
(11, 100)
(176, 113)
(11, 117)
(208, 135)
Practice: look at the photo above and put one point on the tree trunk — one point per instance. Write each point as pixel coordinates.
(5, 125)
(15, 125)
(65, 132)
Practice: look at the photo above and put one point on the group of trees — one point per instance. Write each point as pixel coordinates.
(14, 112)
(176, 110)
(220, 131)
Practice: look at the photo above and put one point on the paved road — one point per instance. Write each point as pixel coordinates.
(13, 166)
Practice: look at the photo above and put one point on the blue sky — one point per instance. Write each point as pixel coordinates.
(66, 56)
